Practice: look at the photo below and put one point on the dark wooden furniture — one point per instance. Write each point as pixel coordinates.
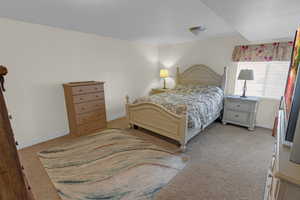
(85, 106)
(13, 184)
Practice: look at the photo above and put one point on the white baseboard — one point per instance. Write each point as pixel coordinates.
(264, 126)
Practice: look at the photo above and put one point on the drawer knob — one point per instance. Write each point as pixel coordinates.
(81, 98)
(9, 116)
(236, 115)
(80, 90)
(238, 105)
(270, 175)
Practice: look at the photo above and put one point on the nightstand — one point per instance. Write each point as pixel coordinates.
(240, 110)
(158, 90)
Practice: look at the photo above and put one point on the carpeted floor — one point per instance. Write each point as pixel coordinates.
(226, 163)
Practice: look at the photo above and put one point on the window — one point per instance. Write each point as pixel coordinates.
(269, 79)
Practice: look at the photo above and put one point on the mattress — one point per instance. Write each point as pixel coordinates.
(201, 104)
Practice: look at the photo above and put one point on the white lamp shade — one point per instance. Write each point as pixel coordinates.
(246, 74)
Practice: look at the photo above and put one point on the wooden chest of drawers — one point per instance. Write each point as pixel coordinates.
(85, 106)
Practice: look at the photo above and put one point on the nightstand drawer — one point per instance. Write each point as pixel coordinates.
(238, 105)
(235, 116)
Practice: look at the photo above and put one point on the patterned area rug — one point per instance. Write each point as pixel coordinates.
(110, 165)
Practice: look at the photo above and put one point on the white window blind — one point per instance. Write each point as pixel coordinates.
(269, 79)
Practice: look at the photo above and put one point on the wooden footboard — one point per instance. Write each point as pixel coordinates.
(159, 120)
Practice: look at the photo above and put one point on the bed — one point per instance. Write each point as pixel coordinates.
(185, 111)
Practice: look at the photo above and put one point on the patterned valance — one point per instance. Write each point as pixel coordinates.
(277, 51)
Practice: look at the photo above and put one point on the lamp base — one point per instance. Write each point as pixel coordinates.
(165, 87)
(244, 90)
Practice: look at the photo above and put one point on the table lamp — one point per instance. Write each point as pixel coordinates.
(164, 73)
(246, 75)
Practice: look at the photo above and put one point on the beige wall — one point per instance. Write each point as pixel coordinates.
(41, 58)
(216, 53)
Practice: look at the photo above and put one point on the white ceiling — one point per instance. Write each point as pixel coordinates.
(151, 21)
(161, 21)
(259, 19)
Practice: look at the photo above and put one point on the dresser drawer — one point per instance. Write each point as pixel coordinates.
(89, 106)
(274, 188)
(91, 127)
(235, 116)
(275, 149)
(87, 89)
(238, 105)
(97, 115)
(269, 185)
(88, 97)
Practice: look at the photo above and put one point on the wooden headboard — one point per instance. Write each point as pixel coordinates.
(201, 75)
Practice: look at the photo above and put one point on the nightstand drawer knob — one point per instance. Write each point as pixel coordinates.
(238, 105)
(236, 115)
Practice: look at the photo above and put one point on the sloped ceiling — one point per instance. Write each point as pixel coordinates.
(161, 21)
(259, 19)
